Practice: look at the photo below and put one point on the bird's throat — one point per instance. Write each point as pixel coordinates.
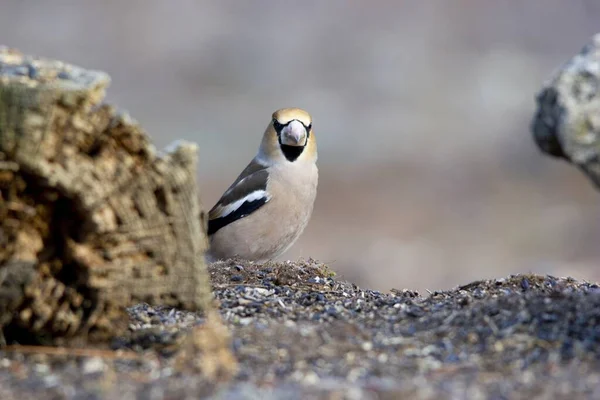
(291, 153)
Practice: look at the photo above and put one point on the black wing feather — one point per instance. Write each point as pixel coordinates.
(242, 211)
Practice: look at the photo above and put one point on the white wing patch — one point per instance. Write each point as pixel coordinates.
(256, 195)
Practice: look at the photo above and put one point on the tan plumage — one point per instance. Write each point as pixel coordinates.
(268, 206)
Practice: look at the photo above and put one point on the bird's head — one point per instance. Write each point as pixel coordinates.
(290, 135)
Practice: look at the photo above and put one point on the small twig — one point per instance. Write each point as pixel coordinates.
(492, 325)
(226, 285)
(282, 304)
(65, 351)
(450, 318)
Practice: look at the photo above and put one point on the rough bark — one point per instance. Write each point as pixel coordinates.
(567, 121)
(92, 218)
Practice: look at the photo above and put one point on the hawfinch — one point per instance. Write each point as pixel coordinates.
(268, 206)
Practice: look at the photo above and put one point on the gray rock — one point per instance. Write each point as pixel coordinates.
(567, 121)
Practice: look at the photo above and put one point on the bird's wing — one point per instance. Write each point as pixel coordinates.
(247, 194)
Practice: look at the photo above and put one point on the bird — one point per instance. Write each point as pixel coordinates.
(268, 206)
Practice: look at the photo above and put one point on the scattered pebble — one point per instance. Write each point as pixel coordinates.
(93, 365)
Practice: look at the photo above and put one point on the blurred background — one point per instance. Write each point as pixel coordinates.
(429, 176)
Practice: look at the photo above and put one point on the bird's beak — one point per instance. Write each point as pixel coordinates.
(294, 134)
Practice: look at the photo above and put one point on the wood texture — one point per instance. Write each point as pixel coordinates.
(92, 218)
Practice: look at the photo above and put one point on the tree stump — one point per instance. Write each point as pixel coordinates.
(92, 218)
(567, 121)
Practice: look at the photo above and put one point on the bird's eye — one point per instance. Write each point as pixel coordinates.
(308, 127)
(277, 125)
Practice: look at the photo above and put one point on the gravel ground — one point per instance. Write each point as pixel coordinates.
(297, 332)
